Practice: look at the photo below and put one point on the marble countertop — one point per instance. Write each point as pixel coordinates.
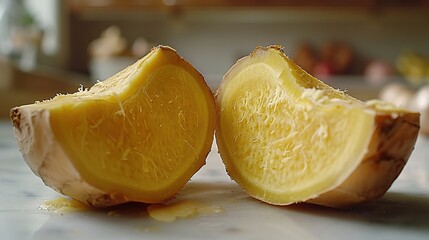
(403, 213)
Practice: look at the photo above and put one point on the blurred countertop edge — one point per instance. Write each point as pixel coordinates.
(19, 86)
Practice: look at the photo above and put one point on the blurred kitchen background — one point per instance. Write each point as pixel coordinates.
(54, 46)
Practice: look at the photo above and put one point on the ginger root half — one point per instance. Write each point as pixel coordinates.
(137, 136)
(286, 137)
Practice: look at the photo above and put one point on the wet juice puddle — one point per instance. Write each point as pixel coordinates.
(181, 209)
(63, 205)
(196, 199)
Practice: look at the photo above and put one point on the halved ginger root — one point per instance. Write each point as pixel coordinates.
(286, 137)
(137, 136)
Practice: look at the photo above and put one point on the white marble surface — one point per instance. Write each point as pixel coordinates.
(403, 213)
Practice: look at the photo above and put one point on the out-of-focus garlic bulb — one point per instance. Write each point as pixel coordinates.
(404, 97)
(397, 94)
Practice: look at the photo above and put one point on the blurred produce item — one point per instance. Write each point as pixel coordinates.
(397, 94)
(340, 56)
(333, 58)
(378, 72)
(402, 96)
(141, 47)
(420, 102)
(20, 37)
(110, 53)
(414, 67)
(323, 70)
(306, 57)
(110, 44)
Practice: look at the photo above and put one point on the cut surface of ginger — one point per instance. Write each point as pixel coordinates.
(283, 135)
(137, 136)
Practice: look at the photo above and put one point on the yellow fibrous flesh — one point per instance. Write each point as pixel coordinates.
(144, 139)
(286, 143)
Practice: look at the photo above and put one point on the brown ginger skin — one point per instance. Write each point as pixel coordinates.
(32, 130)
(390, 147)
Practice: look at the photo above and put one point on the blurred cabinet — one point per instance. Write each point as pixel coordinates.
(86, 19)
(117, 5)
